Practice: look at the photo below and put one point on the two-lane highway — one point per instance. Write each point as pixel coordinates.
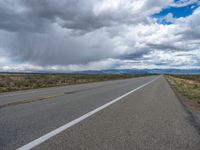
(27, 115)
(139, 113)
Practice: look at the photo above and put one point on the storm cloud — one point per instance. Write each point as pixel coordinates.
(95, 34)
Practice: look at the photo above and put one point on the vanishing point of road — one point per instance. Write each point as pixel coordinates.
(140, 113)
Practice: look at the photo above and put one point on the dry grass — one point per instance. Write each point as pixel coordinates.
(14, 82)
(187, 85)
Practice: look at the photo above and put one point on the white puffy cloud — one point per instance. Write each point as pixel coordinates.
(182, 3)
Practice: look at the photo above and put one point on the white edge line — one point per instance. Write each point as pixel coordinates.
(66, 126)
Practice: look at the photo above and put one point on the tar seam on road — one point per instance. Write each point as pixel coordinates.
(49, 135)
(44, 97)
(31, 100)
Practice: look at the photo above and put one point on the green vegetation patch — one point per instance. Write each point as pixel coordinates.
(14, 82)
(187, 85)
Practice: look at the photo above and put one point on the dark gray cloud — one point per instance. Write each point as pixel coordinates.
(58, 48)
(135, 54)
(74, 14)
(15, 16)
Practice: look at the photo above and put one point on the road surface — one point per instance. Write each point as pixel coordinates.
(140, 113)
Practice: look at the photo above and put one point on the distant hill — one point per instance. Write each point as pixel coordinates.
(142, 71)
(119, 71)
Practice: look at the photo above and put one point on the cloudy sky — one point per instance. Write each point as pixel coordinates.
(71, 35)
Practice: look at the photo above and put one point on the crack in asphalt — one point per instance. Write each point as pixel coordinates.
(30, 100)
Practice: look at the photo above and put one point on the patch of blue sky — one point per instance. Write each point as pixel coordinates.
(177, 12)
(164, 22)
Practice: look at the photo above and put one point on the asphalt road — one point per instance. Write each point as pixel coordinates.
(151, 117)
